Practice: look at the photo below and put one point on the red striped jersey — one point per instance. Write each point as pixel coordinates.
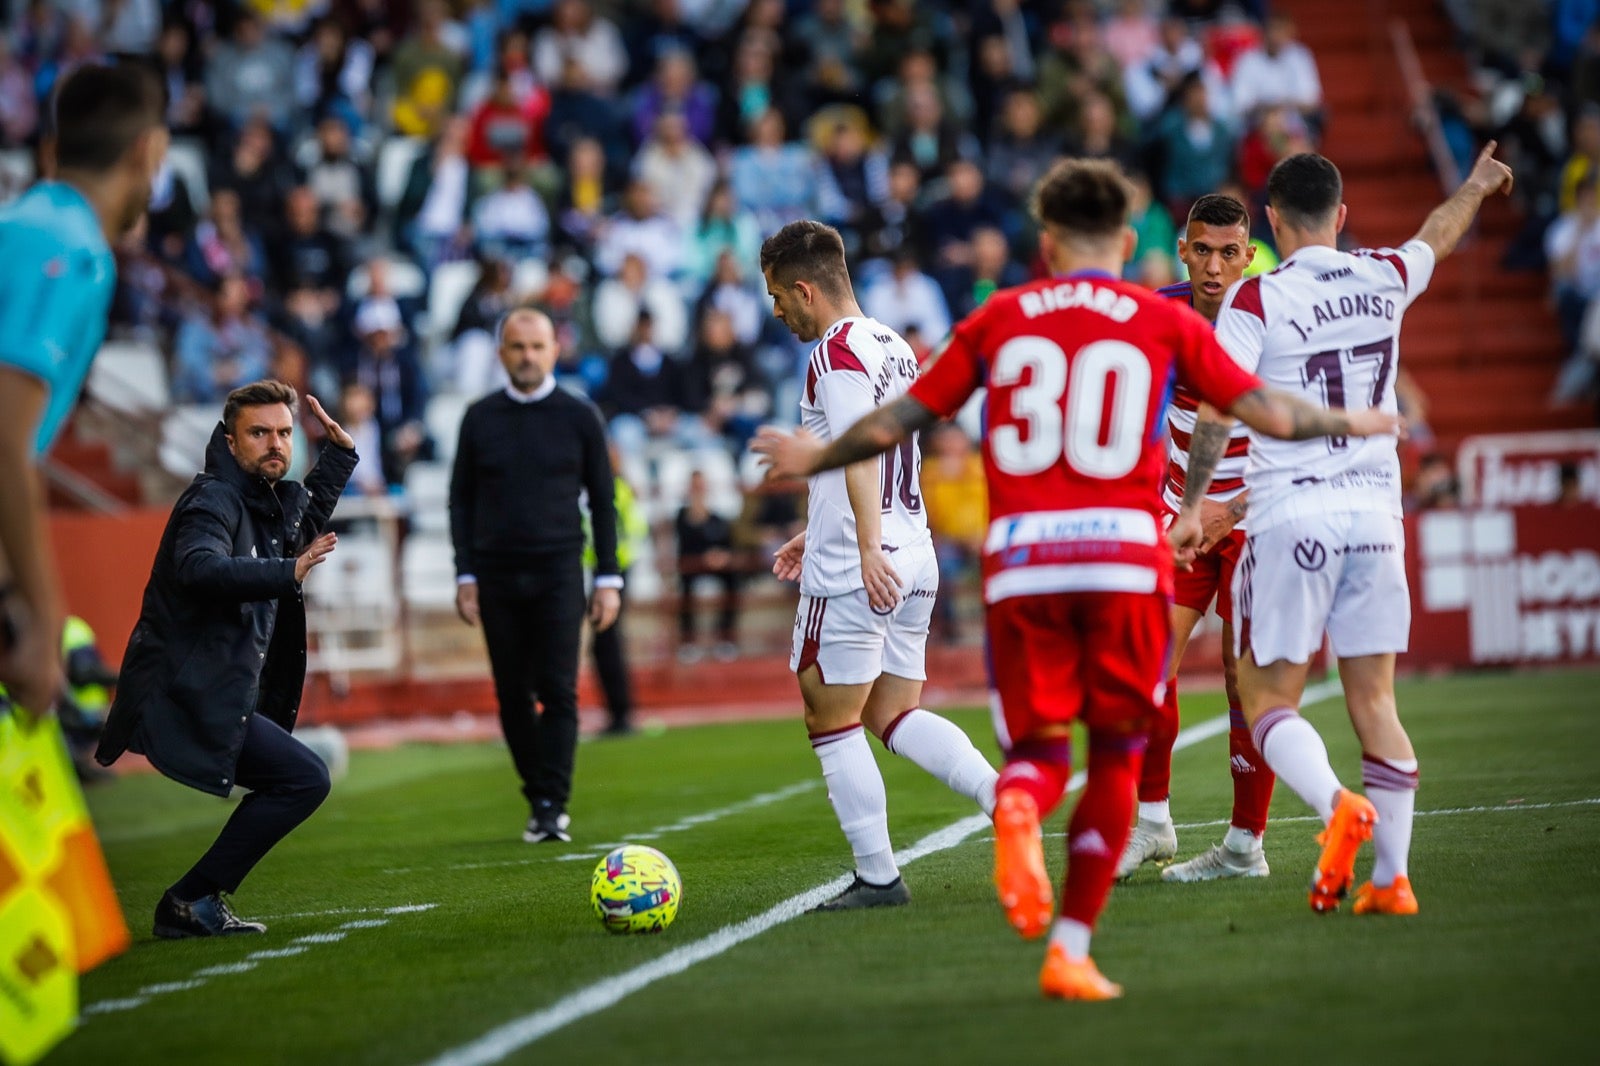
(1227, 481)
(859, 364)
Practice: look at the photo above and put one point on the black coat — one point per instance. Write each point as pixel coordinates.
(222, 632)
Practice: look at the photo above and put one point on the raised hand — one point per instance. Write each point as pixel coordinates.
(315, 552)
(334, 431)
(1489, 175)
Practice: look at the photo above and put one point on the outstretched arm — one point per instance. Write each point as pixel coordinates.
(1450, 220)
(799, 455)
(1278, 414)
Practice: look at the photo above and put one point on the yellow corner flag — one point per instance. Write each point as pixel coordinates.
(59, 915)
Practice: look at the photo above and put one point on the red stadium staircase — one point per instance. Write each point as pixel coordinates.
(1483, 344)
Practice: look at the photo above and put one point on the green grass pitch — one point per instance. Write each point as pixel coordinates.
(408, 920)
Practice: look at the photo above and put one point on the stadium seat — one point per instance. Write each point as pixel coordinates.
(428, 495)
(452, 283)
(443, 416)
(530, 277)
(130, 377)
(394, 167)
(16, 172)
(428, 571)
(351, 608)
(185, 432)
(187, 158)
(406, 280)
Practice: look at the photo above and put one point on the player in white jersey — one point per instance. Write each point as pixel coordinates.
(1326, 548)
(867, 572)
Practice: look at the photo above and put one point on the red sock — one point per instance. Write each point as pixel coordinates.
(1155, 780)
(1039, 768)
(1100, 826)
(1252, 781)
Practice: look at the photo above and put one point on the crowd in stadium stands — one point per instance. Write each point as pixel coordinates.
(1536, 72)
(619, 164)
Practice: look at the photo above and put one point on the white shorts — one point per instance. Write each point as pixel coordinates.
(1343, 573)
(851, 644)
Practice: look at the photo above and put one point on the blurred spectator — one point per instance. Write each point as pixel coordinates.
(179, 67)
(957, 499)
(675, 90)
(899, 27)
(640, 229)
(659, 30)
(852, 180)
(130, 27)
(991, 268)
(1434, 486)
(1585, 157)
(1572, 247)
(1570, 481)
(678, 170)
(930, 140)
(905, 298)
(506, 132)
(619, 300)
(705, 549)
(1196, 148)
(773, 179)
(1132, 34)
(1021, 149)
(472, 347)
(1013, 24)
(1078, 65)
(723, 385)
(919, 72)
(1525, 116)
(341, 181)
(358, 415)
(78, 48)
(586, 199)
(380, 23)
(308, 317)
(831, 40)
(1097, 136)
(756, 88)
(644, 396)
(386, 363)
(431, 216)
(19, 109)
(221, 245)
(220, 346)
(895, 224)
(252, 74)
(578, 112)
(730, 292)
(576, 32)
(1156, 84)
(723, 228)
(1280, 73)
(512, 220)
(308, 251)
(952, 219)
(427, 74)
(1279, 132)
(333, 74)
(258, 172)
(1156, 250)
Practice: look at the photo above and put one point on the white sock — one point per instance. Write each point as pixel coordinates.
(855, 788)
(1294, 751)
(1241, 840)
(1155, 812)
(940, 747)
(1072, 936)
(1391, 785)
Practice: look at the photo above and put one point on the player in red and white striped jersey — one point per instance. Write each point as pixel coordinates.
(1216, 248)
(1076, 574)
(868, 575)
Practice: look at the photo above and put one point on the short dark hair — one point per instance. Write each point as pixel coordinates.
(1305, 190)
(258, 394)
(807, 250)
(101, 109)
(1086, 198)
(1219, 209)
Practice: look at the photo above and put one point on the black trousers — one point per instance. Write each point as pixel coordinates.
(611, 663)
(287, 782)
(532, 624)
(727, 614)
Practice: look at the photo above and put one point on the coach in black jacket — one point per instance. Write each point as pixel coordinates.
(526, 455)
(212, 678)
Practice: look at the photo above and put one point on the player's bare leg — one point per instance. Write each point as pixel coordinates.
(1294, 750)
(1389, 773)
(855, 788)
(1154, 839)
(1240, 854)
(936, 744)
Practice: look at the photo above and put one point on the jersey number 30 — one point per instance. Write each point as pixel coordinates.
(1099, 429)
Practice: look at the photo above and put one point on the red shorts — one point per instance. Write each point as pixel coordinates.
(1211, 576)
(1058, 657)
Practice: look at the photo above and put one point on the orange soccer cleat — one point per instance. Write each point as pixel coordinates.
(1019, 874)
(1062, 978)
(1396, 899)
(1351, 826)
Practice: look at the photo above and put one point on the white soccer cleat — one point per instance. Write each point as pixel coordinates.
(1150, 842)
(1217, 863)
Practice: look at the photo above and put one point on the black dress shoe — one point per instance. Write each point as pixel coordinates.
(206, 916)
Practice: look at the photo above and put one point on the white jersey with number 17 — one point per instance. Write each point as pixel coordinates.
(1325, 326)
(859, 364)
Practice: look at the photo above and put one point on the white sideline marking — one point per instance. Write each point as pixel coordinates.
(319, 938)
(1439, 812)
(109, 1006)
(171, 986)
(225, 969)
(518, 1033)
(689, 821)
(408, 908)
(365, 923)
(275, 953)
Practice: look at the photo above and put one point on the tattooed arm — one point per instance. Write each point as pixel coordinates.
(800, 454)
(1210, 440)
(1278, 414)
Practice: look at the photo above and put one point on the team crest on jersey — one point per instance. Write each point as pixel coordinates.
(1310, 554)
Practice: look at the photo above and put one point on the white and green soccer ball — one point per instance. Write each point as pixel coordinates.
(636, 889)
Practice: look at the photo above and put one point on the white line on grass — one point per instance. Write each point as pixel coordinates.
(689, 821)
(518, 1033)
(407, 908)
(1440, 812)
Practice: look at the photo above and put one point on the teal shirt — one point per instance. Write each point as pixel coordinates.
(56, 280)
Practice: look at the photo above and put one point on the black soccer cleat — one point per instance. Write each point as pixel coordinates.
(863, 894)
(548, 823)
(206, 916)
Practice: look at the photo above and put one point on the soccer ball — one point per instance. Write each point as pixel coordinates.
(636, 889)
